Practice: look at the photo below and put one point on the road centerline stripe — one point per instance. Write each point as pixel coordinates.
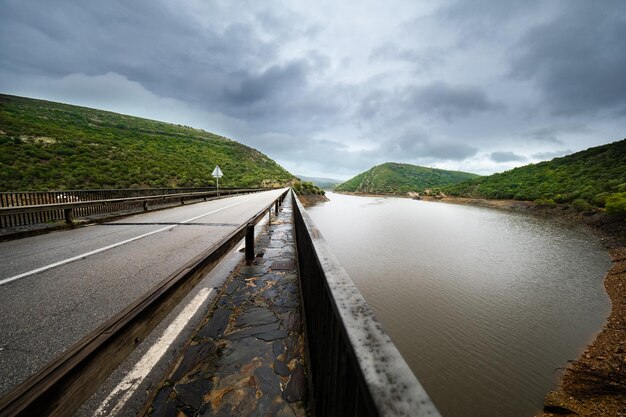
(105, 248)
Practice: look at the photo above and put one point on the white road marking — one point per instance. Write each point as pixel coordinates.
(93, 252)
(131, 381)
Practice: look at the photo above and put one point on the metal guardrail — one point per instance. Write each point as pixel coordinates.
(62, 386)
(27, 208)
(356, 370)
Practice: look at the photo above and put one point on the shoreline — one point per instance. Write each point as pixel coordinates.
(595, 383)
(309, 200)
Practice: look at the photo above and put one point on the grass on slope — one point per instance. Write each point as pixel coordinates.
(585, 179)
(46, 145)
(394, 178)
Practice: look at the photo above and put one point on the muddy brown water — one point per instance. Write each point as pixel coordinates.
(486, 306)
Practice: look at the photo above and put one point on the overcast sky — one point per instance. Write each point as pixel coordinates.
(331, 88)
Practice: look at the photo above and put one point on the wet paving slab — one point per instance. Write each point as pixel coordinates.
(248, 358)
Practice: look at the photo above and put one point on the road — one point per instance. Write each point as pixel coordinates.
(56, 288)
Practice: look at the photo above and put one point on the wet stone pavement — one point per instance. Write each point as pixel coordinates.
(247, 359)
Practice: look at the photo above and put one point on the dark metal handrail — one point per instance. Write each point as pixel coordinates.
(61, 387)
(356, 370)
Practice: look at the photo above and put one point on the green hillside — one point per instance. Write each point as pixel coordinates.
(46, 145)
(585, 179)
(394, 178)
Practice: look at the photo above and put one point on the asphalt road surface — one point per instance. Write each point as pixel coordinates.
(56, 288)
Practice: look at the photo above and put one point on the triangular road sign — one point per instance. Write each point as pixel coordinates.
(217, 172)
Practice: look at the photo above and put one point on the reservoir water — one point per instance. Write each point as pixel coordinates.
(486, 306)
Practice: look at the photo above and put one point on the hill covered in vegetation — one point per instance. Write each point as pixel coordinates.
(308, 193)
(395, 178)
(594, 177)
(46, 145)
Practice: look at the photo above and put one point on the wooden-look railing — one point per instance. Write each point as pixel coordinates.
(36, 207)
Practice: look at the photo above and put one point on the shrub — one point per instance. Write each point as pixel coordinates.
(616, 204)
(307, 188)
(582, 205)
(600, 199)
(545, 201)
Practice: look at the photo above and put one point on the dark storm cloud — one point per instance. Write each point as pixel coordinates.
(71, 38)
(436, 100)
(546, 135)
(417, 145)
(578, 59)
(166, 49)
(281, 97)
(448, 101)
(506, 157)
(488, 11)
(454, 151)
(480, 21)
(277, 80)
(571, 50)
(407, 144)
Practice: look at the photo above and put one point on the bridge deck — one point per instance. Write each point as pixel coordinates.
(248, 357)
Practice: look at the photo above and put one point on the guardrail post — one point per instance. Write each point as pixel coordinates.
(182, 201)
(69, 215)
(250, 241)
(145, 206)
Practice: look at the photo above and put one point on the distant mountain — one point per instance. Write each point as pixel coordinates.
(395, 178)
(46, 145)
(323, 183)
(586, 178)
